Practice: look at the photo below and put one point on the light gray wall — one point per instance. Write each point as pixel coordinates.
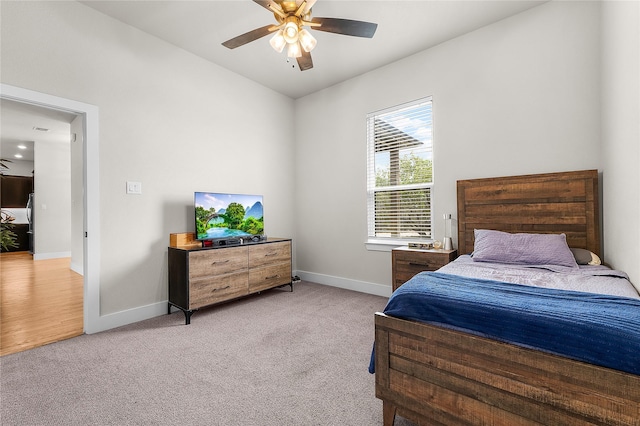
(167, 118)
(516, 97)
(520, 96)
(19, 168)
(621, 135)
(77, 194)
(52, 200)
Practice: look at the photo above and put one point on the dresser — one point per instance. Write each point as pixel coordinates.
(204, 276)
(407, 262)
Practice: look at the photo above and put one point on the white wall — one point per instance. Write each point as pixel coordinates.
(19, 168)
(516, 97)
(52, 200)
(519, 96)
(621, 135)
(168, 119)
(77, 194)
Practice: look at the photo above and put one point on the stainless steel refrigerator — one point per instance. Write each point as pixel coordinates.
(30, 218)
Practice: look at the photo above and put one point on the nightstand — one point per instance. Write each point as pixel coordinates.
(406, 262)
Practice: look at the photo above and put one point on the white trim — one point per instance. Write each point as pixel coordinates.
(91, 268)
(373, 244)
(52, 255)
(77, 268)
(130, 316)
(403, 105)
(346, 283)
(382, 246)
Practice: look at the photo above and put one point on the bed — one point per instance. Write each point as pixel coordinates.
(437, 373)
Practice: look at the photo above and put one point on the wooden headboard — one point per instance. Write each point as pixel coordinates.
(546, 203)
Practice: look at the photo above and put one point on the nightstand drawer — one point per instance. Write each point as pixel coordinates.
(406, 270)
(408, 262)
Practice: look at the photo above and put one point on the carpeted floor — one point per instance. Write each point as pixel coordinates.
(277, 358)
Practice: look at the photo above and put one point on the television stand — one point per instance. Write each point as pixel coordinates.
(205, 276)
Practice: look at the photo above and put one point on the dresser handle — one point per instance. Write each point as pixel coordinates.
(419, 264)
(224, 261)
(272, 277)
(273, 253)
(222, 288)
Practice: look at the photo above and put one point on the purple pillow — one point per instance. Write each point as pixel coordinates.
(522, 249)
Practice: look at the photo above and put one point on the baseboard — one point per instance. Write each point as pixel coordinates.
(346, 283)
(53, 255)
(129, 316)
(78, 269)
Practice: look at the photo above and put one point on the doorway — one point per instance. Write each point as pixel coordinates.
(42, 284)
(90, 189)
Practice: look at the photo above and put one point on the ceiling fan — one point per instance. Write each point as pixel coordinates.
(292, 17)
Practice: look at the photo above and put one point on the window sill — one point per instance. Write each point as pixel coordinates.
(385, 245)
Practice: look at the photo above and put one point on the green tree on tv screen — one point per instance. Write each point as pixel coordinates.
(202, 219)
(253, 226)
(234, 215)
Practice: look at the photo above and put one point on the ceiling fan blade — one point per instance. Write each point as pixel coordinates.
(265, 3)
(272, 6)
(248, 37)
(304, 61)
(345, 27)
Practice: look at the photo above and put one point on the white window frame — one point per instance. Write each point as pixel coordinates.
(376, 242)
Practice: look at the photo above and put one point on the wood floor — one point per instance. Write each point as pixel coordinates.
(41, 302)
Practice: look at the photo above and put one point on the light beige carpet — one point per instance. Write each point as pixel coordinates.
(277, 358)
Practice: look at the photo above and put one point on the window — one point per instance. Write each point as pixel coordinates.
(400, 173)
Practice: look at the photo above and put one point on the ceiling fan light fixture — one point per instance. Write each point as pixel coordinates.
(290, 32)
(294, 50)
(307, 41)
(293, 19)
(278, 42)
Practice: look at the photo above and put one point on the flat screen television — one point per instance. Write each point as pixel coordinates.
(228, 217)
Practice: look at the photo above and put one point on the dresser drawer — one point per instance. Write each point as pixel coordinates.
(269, 254)
(209, 290)
(269, 276)
(208, 263)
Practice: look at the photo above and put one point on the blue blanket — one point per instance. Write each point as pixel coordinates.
(598, 329)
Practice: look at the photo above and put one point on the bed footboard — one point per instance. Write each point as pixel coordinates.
(437, 376)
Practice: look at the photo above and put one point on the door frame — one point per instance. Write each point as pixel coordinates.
(91, 186)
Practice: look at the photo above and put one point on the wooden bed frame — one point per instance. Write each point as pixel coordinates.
(436, 376)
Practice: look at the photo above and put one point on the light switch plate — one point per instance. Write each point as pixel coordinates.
(134, 187)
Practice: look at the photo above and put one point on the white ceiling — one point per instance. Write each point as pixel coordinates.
(19, 123)
(405, 27)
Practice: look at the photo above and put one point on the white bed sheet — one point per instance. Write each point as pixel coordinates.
(588, 278)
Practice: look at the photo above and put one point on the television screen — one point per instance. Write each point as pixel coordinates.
(228, 216)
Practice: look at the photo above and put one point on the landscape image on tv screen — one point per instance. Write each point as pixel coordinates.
(228, 215)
